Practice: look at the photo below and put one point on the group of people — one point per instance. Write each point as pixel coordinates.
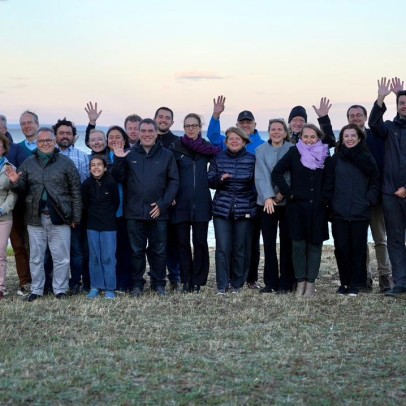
(88, 222)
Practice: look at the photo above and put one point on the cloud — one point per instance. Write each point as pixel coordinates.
(18, 79)
(195, 76)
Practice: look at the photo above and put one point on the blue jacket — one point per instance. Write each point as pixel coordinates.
(235, 197)
(219, 140)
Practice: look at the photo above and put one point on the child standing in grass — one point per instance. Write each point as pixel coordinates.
(101, 200)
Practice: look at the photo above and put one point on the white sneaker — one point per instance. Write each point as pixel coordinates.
(24, 290)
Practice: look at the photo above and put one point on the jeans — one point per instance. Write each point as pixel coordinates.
(306, 259)
(102, 259)
(153, 233)
(172, 256)
(394, 210)
(194, 268)
(123, 256)
(58, 239)
(5, 228)
(231, 249)
(253, 263)
(350, 242)
(274, 279)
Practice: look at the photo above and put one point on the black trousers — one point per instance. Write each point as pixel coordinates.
(350, 242)
(194, 267)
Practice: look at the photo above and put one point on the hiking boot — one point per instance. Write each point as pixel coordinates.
(33, 297)
(397, 291)
(94, 292)
(136, 292)
(385, 283)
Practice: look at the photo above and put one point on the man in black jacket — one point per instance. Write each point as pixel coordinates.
(150, 175)
(394, 177)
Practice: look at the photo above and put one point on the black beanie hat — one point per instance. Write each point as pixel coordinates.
(298, 111)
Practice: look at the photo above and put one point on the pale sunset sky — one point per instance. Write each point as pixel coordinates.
(134, 56)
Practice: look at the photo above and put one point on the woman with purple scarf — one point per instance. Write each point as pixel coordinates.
(192, 208)
(306, 211)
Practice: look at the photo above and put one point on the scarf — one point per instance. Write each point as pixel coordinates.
(312, 156)
(199, 146)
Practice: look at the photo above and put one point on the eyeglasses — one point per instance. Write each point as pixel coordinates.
(191, 126)
(47, 141)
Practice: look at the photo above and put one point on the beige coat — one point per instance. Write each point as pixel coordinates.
(8, 198)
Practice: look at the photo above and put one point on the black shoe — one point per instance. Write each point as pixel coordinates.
(342, 290)
(397, 291)
(75, 290)
(185, 288)
(136, 292)
(267, 289)
(282, 292)
(33, 297)
(353, 292)
(175, 287)
(160, 291)
(195, 289)
(61, 295)
(48, 290)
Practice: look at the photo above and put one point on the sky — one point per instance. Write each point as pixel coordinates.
(133, 56)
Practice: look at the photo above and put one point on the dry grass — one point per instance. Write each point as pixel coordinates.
(195, 349)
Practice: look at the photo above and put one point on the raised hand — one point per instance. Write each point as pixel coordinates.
(397, 85)
(92, 112)
(12, 174)
(324, 107)
(118, 149)
(218, 106)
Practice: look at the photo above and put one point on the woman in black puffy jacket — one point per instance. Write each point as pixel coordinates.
(231, 173)
(351, 187)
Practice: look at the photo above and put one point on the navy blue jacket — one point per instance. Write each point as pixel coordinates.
(235, 197)
(193, 201)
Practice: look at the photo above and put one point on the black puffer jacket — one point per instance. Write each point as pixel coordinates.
(351, 184)
(236, 196)
(61, 180)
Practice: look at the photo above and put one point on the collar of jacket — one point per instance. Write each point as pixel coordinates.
(139, 148)
(241, 152)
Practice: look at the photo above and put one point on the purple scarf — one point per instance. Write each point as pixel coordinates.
(198, 145)
(312, 156)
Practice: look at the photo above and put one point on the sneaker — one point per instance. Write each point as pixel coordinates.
(397, 291)
(234, 290)
(33, 297)
(353, 292)
(221, 292)
(267, 289)
(160, 291)
(342, 290)
(5, 293)
(94, 292)
(61, 295)
(24, 290)
(253, 285)
(110, 294)
(136, 292)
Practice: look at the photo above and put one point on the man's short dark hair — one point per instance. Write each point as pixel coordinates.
(164, 108)
(133, 118)
(357, 106)
(66, 122)
(398, 94)
(149, 121)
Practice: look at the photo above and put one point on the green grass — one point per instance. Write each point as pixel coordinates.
(204, 349)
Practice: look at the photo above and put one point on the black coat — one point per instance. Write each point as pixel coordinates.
(149, 178)
(193, 201)
(307, 209)
(235, 197)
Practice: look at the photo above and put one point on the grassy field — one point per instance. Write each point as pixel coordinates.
(203, 349)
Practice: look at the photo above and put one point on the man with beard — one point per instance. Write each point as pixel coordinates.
(65, 134)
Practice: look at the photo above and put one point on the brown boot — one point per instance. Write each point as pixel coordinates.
(301, 286)
(310, 290)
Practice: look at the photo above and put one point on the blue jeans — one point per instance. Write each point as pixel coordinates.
(102, 259)
(232, 249)
(394, 210)
(153, 233)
